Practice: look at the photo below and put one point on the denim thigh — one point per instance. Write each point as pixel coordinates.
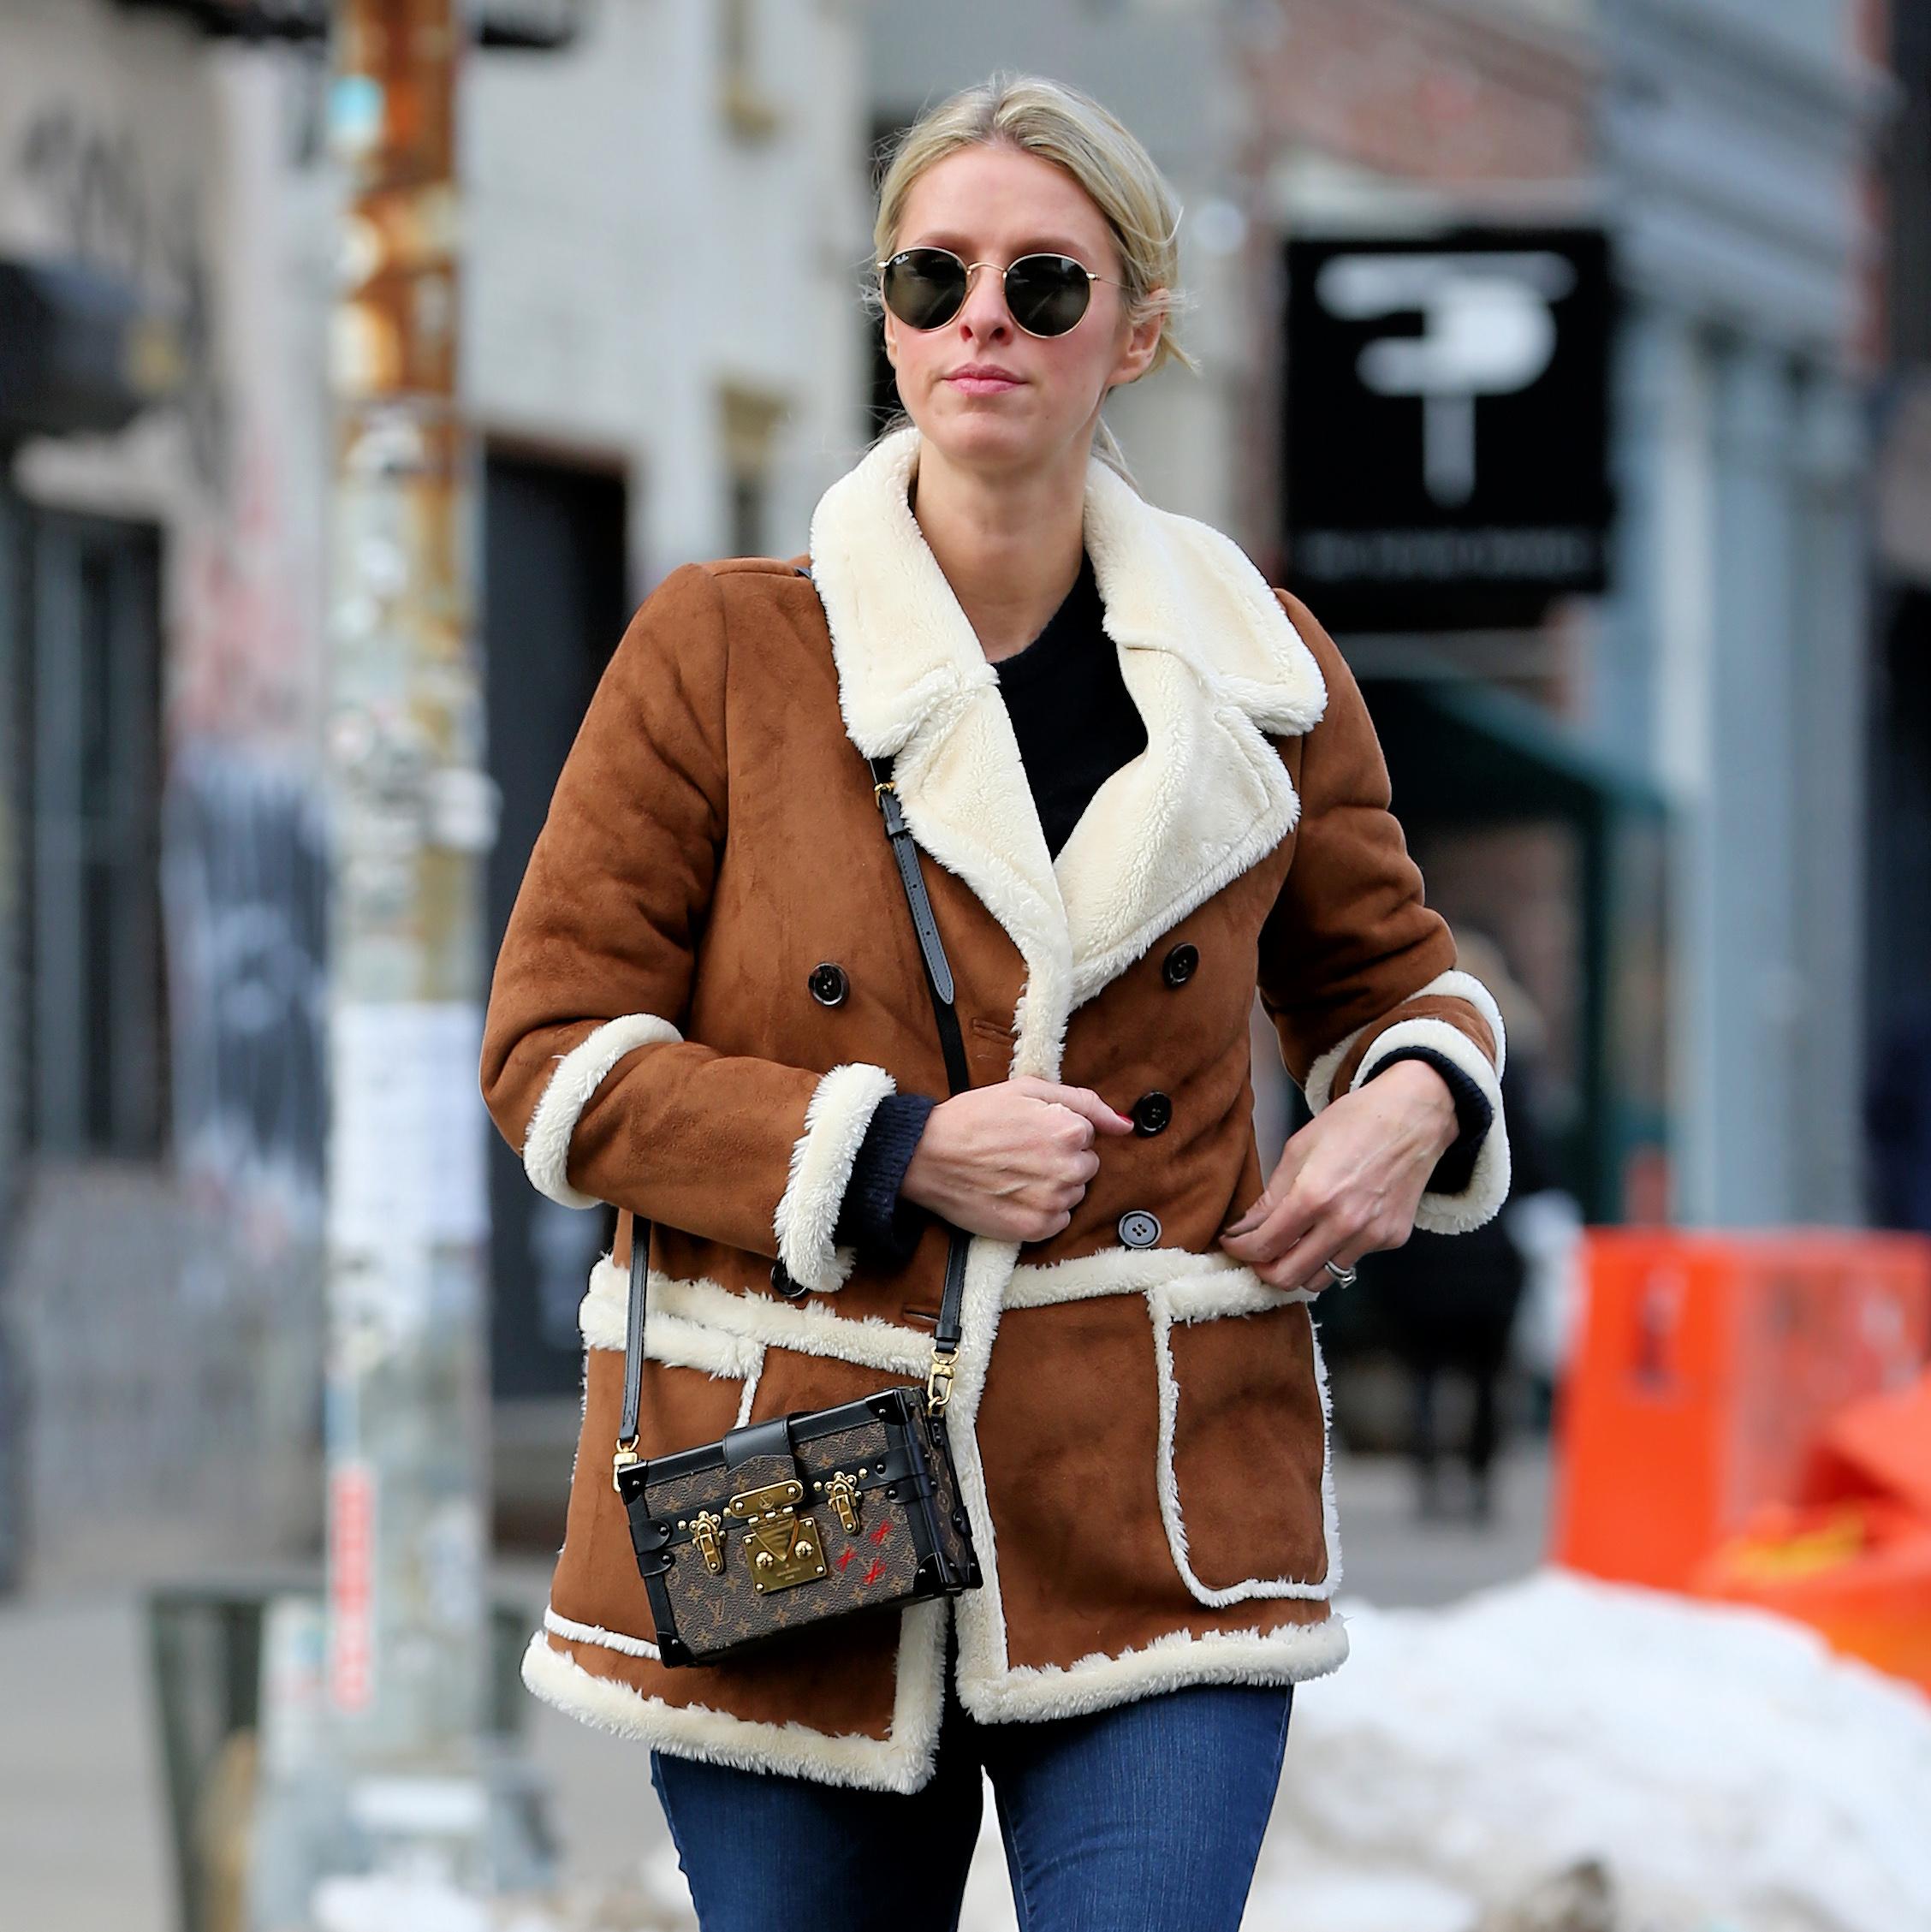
(1149, 1815)
(1143, 1818)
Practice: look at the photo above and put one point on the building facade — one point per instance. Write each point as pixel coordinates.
(664, 223)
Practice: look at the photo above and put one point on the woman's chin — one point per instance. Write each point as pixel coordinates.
(966, 432)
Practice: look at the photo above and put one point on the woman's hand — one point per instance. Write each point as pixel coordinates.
(1348, 1182)
(1011, 1160)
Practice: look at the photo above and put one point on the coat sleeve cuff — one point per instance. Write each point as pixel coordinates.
(1442, 1211)
(822, 1158)
(874, 1218)
(570, 1089)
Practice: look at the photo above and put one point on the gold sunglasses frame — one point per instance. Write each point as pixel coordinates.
(1049, 254)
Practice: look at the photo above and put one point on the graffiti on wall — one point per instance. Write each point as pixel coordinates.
(244, 888)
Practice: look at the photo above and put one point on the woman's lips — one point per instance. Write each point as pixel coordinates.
(982, 385)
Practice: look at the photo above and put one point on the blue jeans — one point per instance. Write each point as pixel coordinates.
(1147, 1817)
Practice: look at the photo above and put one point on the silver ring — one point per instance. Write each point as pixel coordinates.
(1344, 1277)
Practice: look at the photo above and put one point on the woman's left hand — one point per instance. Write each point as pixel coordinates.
(1348, 1182)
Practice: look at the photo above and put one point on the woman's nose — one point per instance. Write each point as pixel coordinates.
(984, 308)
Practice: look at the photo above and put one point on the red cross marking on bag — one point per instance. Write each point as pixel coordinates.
(844, 1556)
(878, 1535)
(874, 1574)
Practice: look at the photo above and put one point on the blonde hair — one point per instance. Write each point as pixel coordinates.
(1070, 128)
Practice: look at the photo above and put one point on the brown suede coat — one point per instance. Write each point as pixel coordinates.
(1142, 1430)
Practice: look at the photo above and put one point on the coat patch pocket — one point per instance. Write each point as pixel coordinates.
(698, 1383)
(1245, 1487)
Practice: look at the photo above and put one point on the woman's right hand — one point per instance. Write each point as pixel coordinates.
(1011, 1160)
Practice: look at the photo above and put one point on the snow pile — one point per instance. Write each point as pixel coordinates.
(1727, 1771)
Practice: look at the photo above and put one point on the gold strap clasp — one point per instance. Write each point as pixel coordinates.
(938, 1379)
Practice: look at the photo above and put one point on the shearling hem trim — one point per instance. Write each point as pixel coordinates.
(1451, 985)
(902, 1762)
(1290, 1653)
(841, 1109)
(1488, 1183)
(579, 1073)
(806, 1327)
(1158, 1308)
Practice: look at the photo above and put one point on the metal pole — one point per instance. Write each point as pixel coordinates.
(412, 1818)
(407, 1435)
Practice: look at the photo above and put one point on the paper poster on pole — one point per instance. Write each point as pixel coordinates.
(407, 1129)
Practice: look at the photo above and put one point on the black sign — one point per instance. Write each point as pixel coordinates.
(1446, 425)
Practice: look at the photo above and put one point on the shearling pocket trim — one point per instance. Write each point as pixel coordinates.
(1168, 1312)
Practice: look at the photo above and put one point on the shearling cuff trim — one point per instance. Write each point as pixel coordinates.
(1453, 985)
(841, 1109)
(1488, 1181)
(579, 1073)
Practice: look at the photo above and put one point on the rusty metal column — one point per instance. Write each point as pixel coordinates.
(406, 1424)
(422, 1806)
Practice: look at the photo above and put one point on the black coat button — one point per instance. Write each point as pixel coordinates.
(828, 983)
(1138, 1228)
(1151, 1112)
(1177, 968)
(783, 1281)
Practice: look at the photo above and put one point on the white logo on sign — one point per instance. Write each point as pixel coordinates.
(1487, 330)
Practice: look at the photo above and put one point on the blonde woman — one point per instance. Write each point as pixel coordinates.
(1143, 786)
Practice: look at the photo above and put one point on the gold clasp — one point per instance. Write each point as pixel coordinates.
(625, 1458)
(786, 1548)
(841, 1492)
(938, 1379)
(883, 785)
(707, 1532)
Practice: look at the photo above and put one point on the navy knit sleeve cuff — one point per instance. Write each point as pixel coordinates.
(1474, 1116)
(872, 1218)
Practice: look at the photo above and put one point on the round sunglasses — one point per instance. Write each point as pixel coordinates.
(1046, 295)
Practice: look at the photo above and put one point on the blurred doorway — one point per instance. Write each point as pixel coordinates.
(555, 600)
(91, 1047)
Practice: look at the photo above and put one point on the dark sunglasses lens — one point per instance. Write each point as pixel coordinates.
(1047, 294)
(923, 287)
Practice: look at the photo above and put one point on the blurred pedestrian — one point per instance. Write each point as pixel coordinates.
(1451, 1306)
(1146, 784)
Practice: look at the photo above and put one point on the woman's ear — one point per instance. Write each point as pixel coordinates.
(1141, 340)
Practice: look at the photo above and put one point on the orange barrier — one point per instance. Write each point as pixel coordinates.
(1706, 1364)
(1853, 1557)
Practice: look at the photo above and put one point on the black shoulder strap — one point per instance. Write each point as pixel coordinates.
(939, 984)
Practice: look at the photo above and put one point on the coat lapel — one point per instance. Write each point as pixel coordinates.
(1208, 657)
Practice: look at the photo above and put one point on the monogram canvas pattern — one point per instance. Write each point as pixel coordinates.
(715, 1611)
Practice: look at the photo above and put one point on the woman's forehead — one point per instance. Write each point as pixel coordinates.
(1035, 206)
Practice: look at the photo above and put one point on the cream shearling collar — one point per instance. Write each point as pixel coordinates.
(1208, 656)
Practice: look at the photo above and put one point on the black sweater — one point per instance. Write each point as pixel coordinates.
(1076, 724)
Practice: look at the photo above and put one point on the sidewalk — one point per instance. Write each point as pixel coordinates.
(82, 1834)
